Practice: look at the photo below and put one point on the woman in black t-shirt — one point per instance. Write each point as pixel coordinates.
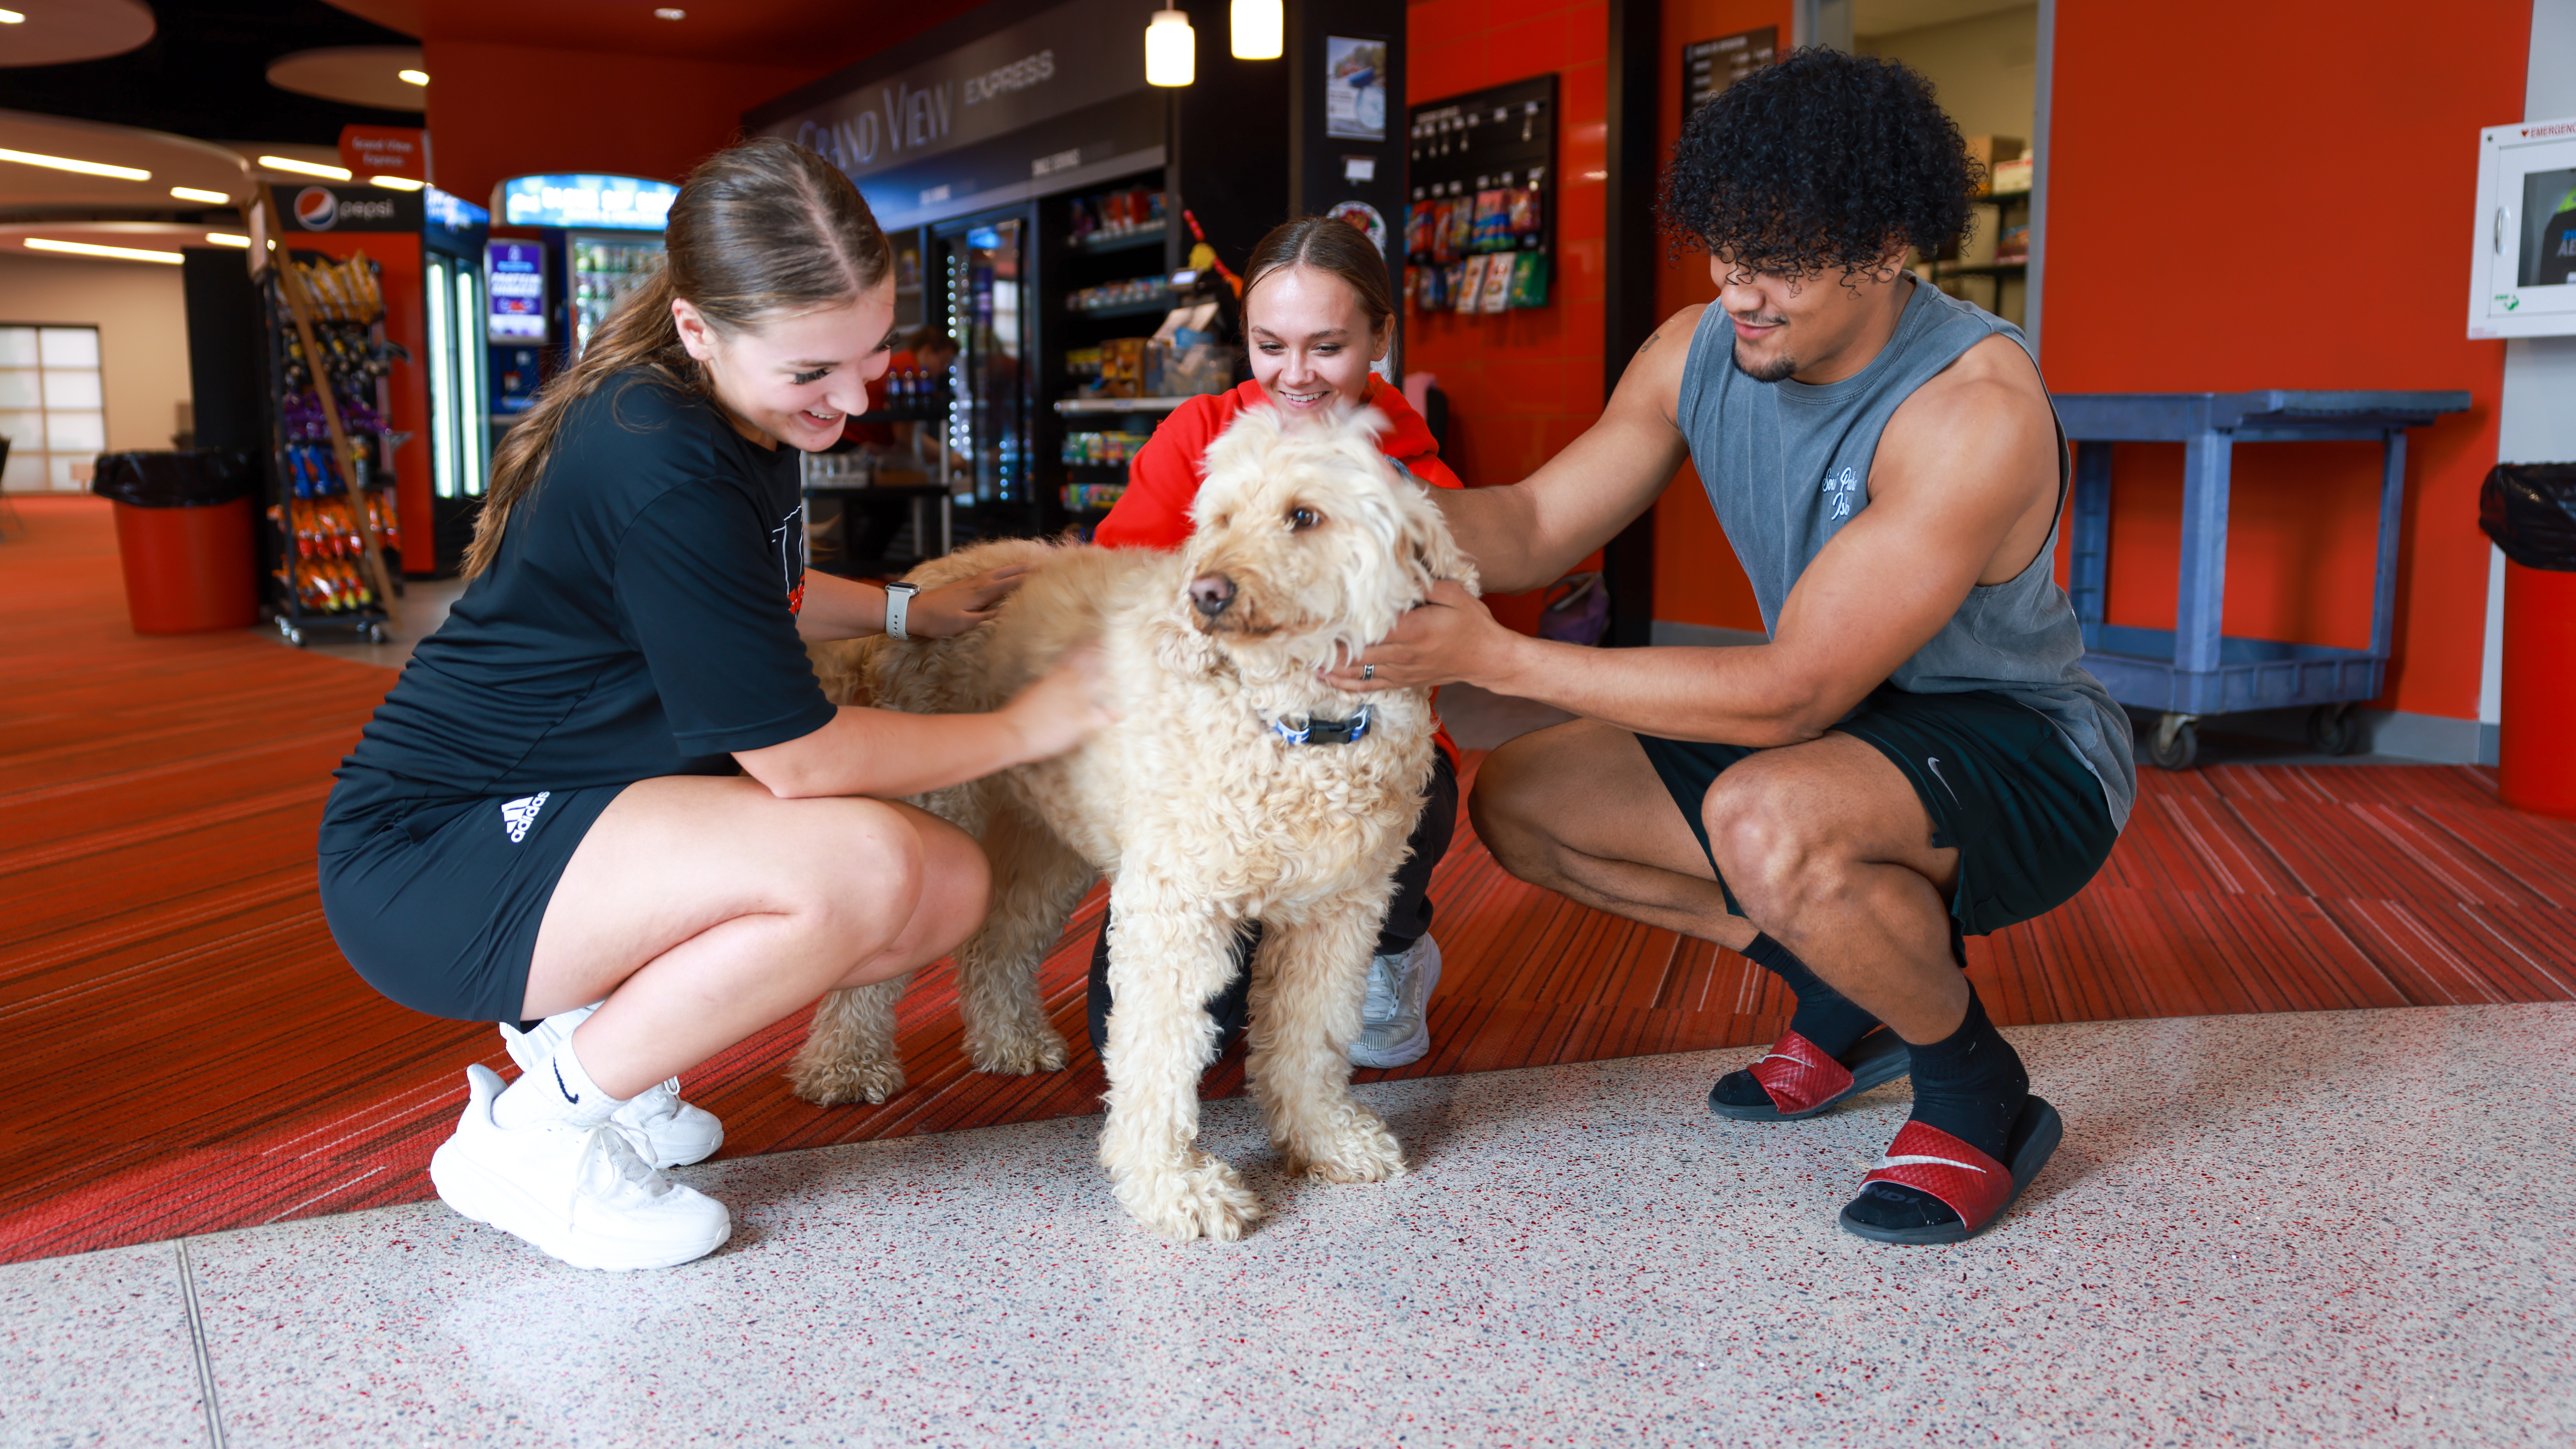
(607, 803)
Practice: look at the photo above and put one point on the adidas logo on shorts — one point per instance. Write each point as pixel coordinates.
(517, 815)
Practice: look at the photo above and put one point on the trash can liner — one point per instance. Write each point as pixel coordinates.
(184, 478)
(2529, 509)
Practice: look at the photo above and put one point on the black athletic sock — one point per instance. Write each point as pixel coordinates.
(1823, 1016)
(1970, 1085)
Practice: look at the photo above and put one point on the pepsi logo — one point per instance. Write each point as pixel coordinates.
(316, 208)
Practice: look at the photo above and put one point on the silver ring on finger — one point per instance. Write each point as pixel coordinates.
(1368, 671)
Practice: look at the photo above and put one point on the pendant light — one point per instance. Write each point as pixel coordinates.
(1171, 49)
(1260, 29)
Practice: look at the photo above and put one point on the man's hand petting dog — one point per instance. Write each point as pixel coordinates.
(1449, 637)
(1069, 703)
(952, 609)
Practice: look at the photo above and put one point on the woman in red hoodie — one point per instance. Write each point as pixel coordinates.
(1317, 312)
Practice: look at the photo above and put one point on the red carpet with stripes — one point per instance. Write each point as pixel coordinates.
(191, 1053)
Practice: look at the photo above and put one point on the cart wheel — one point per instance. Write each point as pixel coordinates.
(2332, 729)
(376, 634)
(294, 636)
(2175, 743)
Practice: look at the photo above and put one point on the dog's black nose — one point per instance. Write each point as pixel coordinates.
(1211, 593)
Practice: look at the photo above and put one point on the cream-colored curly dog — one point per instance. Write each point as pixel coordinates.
(1198, 805)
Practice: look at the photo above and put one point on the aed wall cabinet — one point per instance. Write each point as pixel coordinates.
(2522, 269)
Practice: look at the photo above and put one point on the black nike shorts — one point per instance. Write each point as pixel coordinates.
(2001, 784)
(438, 905)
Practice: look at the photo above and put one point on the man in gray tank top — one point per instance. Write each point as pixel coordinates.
(1916, 753)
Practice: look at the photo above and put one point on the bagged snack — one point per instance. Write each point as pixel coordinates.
(1493, 214)
(1462, 225)
(1525, 213)
(1496, 292)
(1529, 280)
(1471, 283)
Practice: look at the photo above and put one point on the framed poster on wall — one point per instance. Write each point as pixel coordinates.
(1354, 88)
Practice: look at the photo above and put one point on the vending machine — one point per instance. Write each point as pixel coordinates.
(603, 232)
(454, 233)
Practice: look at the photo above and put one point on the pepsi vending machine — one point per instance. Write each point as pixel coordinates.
(517, 326)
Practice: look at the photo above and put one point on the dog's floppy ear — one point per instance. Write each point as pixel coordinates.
(1435, 555)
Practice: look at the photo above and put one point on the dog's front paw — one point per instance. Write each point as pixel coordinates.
(1207, 1199)
(836, 1083)
(1361, 1150)
(1019, 1050)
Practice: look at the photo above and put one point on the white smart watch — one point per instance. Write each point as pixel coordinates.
(898, 603)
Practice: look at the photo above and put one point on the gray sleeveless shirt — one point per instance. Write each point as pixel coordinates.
(1787, 464)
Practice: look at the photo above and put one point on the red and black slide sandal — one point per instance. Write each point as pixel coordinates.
(1801, 1080)
(1975, 1186)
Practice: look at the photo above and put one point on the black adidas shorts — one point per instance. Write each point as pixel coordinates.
(2000, 783)
(438, 906)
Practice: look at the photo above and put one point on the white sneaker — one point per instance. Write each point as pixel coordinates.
(578, 1192)
(666, 1130)
(1395, 1029)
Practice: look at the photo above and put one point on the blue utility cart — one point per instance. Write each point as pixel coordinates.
(2191, 670)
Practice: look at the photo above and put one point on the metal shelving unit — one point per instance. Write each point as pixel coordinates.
(330, 509)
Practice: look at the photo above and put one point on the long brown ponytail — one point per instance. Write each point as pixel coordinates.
(761, 230)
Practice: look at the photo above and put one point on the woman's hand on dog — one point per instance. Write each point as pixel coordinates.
(1447, 638)
(1067, 706)
(952, 609)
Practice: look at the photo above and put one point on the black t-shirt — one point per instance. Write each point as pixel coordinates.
(639, 621)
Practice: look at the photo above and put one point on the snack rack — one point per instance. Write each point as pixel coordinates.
(1480, 235)
(330, 511)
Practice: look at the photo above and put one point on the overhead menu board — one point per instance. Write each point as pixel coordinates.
(1710, 66)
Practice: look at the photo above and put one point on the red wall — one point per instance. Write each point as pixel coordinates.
(2246, 196)
(1697, 580)
(1521, 384)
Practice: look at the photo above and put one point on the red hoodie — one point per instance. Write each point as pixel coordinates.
(1164, 478)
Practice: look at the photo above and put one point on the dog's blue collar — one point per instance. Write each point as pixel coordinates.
(1325, 731)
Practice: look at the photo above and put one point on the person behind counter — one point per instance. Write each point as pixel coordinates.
(1317, 312)
(607, 804)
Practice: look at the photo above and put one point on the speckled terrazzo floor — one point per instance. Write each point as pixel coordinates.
(2332, 1229)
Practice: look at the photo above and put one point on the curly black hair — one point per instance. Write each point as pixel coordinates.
(1818, 163)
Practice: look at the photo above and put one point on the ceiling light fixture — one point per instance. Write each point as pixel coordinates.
(12, 17)
(1171, 49)
(305, 168)
(84, 249)
(65, 163)
(670, 12)
(1259, 29)
(229, 239)
(413, 77)
(395, 183)
(210, 198)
